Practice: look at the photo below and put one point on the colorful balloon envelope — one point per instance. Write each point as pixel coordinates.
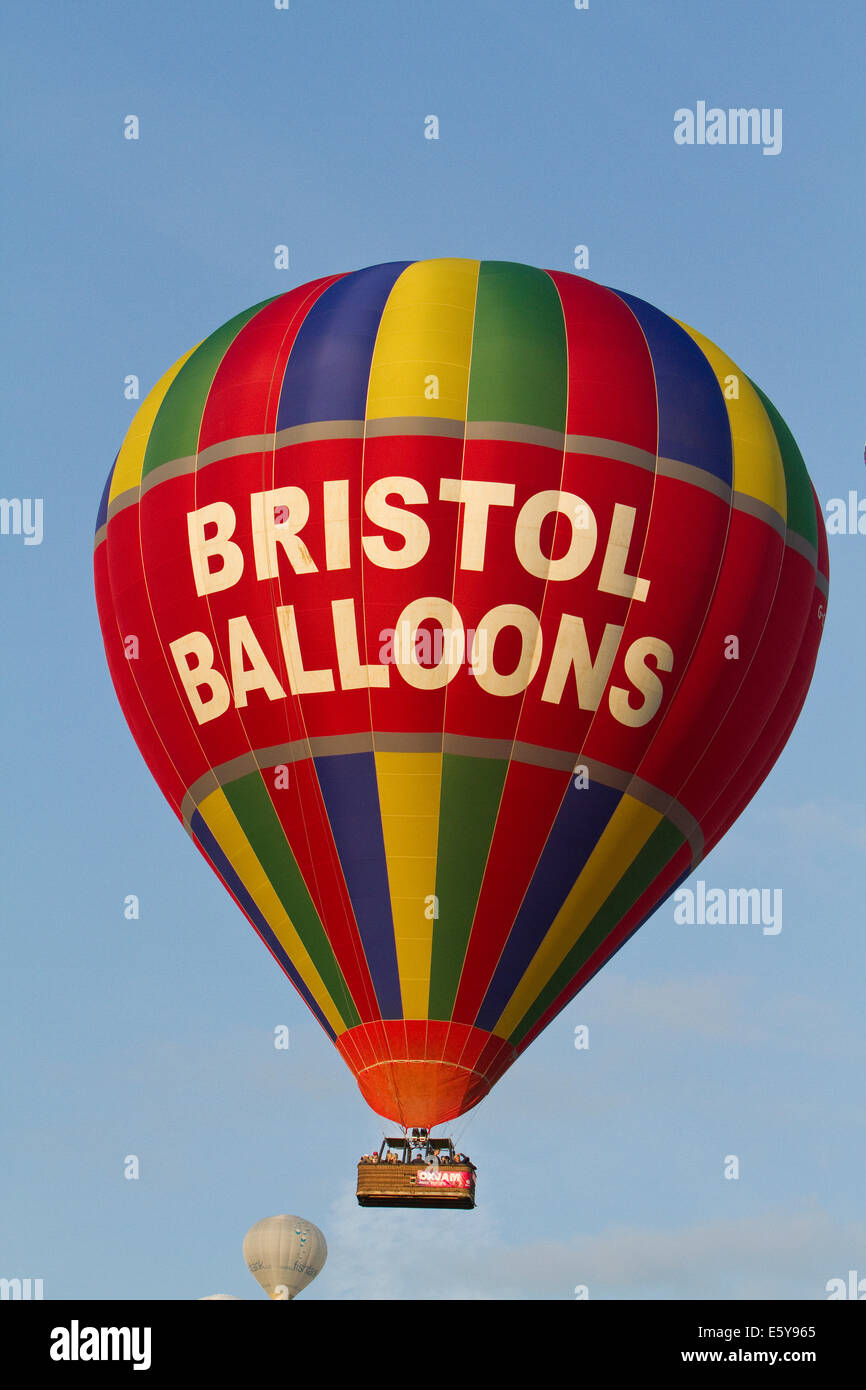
(458, 608)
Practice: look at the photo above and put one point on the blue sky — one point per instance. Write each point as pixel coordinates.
(602, 1167)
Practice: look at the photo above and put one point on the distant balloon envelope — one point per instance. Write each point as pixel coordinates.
(284, 1253)
(458, 608)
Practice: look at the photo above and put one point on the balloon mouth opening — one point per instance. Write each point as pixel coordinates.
(421, 1094)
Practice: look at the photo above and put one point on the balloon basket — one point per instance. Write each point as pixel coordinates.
(416, 1171)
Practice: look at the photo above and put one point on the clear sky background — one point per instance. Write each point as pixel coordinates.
(154, 1037)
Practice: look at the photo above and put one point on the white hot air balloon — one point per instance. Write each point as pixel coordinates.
(220, 1297)
(284, 1253)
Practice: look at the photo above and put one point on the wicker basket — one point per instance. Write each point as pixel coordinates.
(416, 1185)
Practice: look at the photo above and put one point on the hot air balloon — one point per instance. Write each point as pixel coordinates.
(458, 608)
(284, 1253)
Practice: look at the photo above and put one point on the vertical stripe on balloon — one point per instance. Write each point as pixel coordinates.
(130, 461)
(518, 376)
(692, 424)
(583, 816)
(660, 847)
(409, 790)
(176, 427)
(519, 364)
(420, 365)
(351, 796)
(216, 827)
(622, 840)
(419, 370)
(329, 368)
(758, 470)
